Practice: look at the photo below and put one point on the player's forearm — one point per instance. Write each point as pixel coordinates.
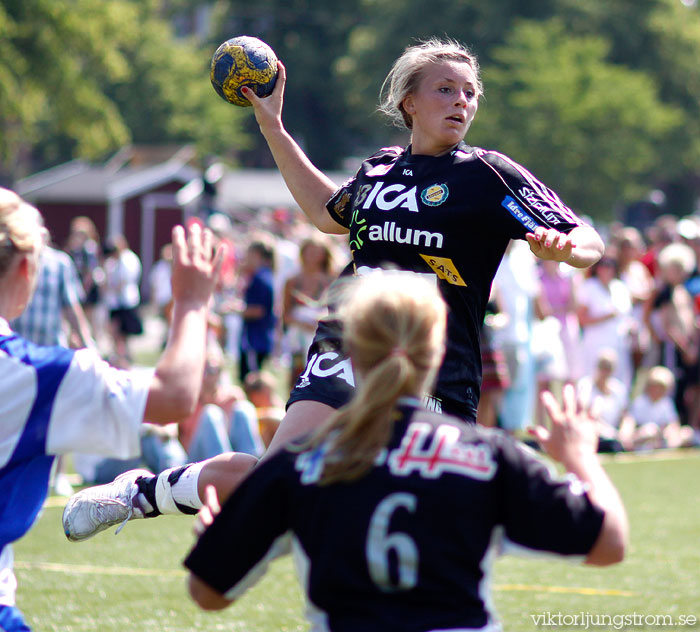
(309, 186)
(204, 596)
(588, 247)
(178, 374)
(610, 546)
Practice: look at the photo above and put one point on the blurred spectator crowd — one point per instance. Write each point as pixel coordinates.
(626, 332)
(92, 292)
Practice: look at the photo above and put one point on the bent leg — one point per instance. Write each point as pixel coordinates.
(139, 494)
(226, 471)
(302, 417)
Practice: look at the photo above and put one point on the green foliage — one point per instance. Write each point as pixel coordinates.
(79, 79)
(565, 80)
(662, 38)
(168, 96)
(586, 126)
(307, 36)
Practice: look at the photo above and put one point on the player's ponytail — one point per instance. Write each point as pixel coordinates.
(394, 326)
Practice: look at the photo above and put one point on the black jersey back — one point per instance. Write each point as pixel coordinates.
(408, 546)
(451, 217)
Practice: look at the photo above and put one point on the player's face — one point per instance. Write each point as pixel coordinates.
(442, 107)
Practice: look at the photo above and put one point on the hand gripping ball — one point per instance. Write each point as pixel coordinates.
(243, 61)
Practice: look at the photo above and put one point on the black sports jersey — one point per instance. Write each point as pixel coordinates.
(407, 547)
(452, 217)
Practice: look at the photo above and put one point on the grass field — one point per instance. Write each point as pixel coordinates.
(134, 581)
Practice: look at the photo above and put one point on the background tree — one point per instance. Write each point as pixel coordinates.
(588, 127)
(661, 38)
(606, 90)
(79, 79)
(307, 36)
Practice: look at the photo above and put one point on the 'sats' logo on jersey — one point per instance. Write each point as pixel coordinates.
(519, 213)
(445, 269)
(435, 194)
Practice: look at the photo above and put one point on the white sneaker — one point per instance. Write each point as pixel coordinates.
(95, 509)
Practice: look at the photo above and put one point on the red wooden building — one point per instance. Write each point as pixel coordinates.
(134, 193)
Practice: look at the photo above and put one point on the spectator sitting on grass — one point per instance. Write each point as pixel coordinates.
(653, 421)
(260, 388)
(605, 394)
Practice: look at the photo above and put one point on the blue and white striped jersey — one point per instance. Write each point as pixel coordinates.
(53, 401)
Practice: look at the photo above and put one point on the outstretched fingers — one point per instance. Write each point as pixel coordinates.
(179, 240)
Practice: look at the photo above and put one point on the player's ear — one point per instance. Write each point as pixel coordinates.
(408, 105)
(25, 266)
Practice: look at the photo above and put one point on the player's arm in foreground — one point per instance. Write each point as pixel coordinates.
(202, 593)
(174, 389)
(572, 441)
(310, 187)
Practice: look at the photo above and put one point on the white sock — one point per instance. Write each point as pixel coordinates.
(183, 491)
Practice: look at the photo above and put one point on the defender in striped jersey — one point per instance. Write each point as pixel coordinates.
(55, 400)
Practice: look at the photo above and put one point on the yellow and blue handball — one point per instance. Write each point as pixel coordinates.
(243, 61)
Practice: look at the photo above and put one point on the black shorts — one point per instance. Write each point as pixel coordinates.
(128, 319)
(328, 378)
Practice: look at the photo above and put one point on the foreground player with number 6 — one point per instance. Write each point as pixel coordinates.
(394, 512)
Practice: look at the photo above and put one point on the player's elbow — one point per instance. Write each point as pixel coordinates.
(611, 545)
(206, 597)
(165, 405)
(183, 404)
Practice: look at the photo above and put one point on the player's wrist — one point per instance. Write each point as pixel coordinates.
(191, 304)
(580, 461)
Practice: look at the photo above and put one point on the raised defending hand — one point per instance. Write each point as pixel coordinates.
(268, 110)
(550, 244)
(208, 512)
(572, 436)
(196, 266)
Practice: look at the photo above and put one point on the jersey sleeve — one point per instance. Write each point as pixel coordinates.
(340, 205)
(342, 201)
(542, 512)
(527, 200)
(98, 409)
(251, 530)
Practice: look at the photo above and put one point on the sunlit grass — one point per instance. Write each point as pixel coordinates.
(135, 581)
